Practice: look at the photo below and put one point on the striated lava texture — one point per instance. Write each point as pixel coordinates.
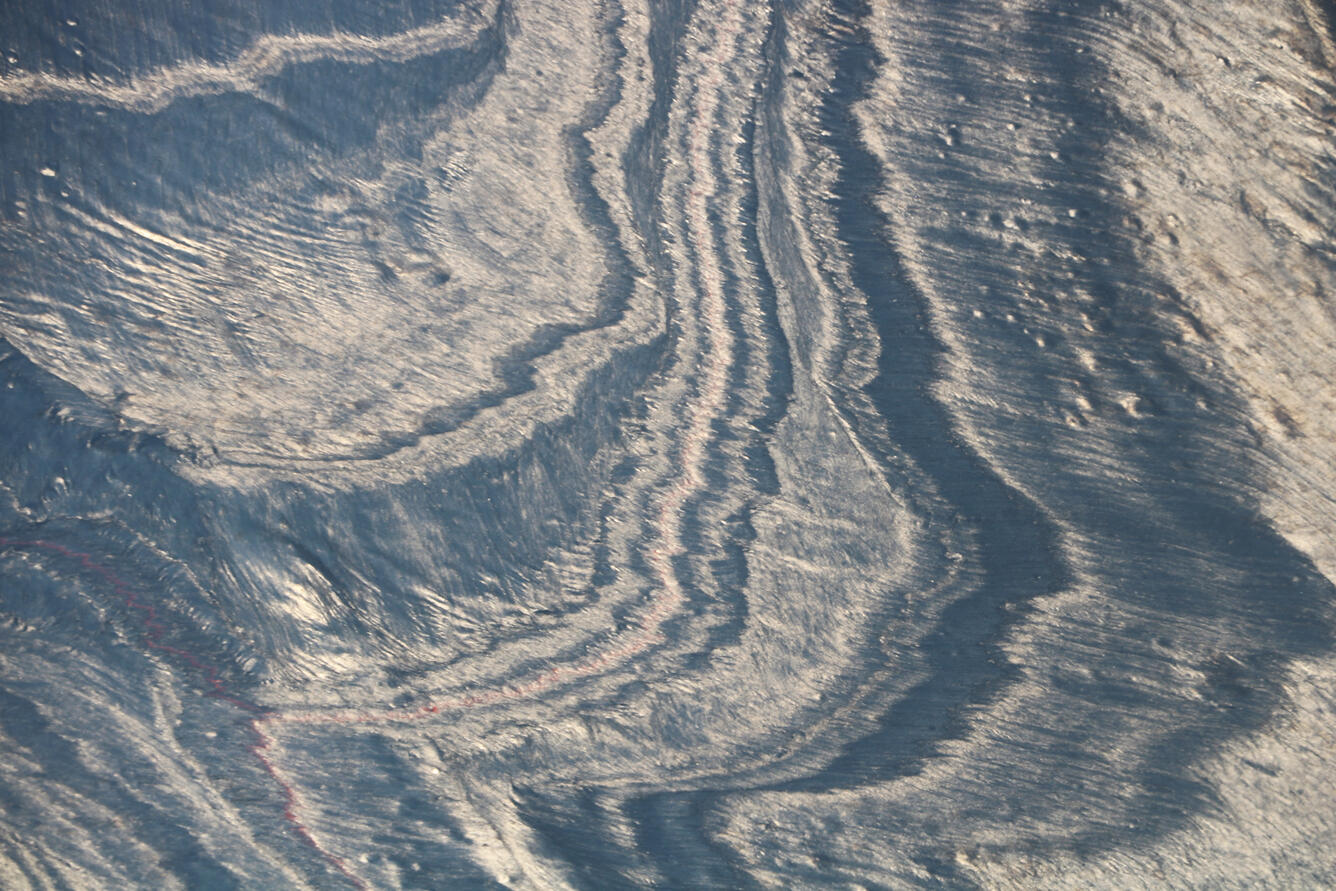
(547, 444)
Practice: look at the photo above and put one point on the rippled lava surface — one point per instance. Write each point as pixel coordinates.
(545, 444)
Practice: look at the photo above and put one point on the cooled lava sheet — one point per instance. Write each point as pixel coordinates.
(692, 444)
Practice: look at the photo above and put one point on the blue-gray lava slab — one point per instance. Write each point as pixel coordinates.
(693, 444)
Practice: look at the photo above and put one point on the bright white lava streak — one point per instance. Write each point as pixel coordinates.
(719, 354)
(701, 414)
(263, 59)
